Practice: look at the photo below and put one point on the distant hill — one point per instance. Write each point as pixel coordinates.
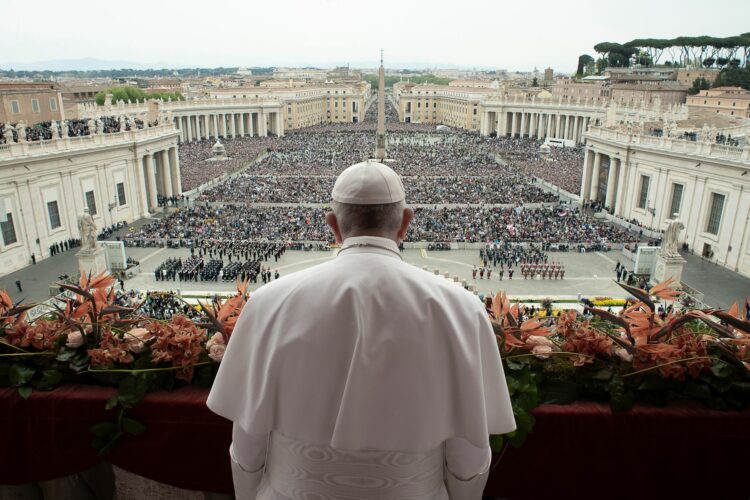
(85, 64)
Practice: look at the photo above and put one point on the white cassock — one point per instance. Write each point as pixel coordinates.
(362, 378)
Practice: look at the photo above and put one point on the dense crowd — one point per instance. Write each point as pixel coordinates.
(562, 167)
(197, 167)
(229, 223)
(505, 187)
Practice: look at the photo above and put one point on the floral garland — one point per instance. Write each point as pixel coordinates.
(637, 355)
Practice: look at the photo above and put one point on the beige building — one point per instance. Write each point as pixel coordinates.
(686, 76)
(30, 102)
(439, 104)
(310, 104)
(588, 88)
(734, 101)
(667, 94)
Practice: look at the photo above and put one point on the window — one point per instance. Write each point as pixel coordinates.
(674, 206)
(35, 105)
(54, 214)
(8, 230)
(714, 216)
(643, 196)
(91, 202)
(53, 104)
(15, 107)
(121, 193)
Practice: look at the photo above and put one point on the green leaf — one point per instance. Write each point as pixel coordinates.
(132, 389)
(50, 379)
(721, 369)
(697, 391)
(620, 398)
(496, 443)
(132, 426)
(66, 355)
(20, 374)
(603, 374)
(25, 391)
(513, 364)
(104, 429)
(112, 402)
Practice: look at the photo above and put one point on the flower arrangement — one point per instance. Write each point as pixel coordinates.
(634, 356)
(94, 340)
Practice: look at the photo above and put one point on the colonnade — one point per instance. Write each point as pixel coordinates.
(603, 180)
(159, 175)
(537, 124)
(197, 126)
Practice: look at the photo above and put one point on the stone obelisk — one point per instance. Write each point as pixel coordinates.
(380, 137)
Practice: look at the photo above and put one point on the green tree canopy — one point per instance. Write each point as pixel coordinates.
(134, 94)
(584, 60)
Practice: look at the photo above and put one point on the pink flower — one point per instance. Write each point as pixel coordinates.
(541, 350)
(75, 340)
(135, 339)
(623, 354)
(216, 347)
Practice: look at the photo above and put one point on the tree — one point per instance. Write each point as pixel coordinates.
(535, 82)
(732, 76)
(134, 94)
(584, 60)
(699, 84)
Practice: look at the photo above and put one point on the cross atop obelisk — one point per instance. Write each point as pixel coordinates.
(380, 137)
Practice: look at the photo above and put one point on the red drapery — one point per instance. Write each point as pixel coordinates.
(581, 450)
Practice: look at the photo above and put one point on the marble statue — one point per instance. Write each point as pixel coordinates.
(65, 129)
(91, 126)
(669, 241)
(55, 129)
(99, 126)
(21, 131)
(705, 134)
(8, 133)
(87, 229)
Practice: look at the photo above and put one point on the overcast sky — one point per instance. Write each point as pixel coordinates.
(517, 35)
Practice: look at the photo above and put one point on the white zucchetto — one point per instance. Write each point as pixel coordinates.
(368, 183)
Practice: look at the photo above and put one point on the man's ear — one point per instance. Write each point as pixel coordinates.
(333, 222)
(406, 219)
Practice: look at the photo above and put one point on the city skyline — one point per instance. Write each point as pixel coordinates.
(332, 32)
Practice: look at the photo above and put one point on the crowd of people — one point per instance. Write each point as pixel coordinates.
(197, 166)
(207, 225)
(504, 187)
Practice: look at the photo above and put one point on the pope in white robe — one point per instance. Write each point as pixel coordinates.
(364, 377)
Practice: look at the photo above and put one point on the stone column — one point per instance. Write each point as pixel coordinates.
(242, 124)
(621, 188)
(233, 124)
(575, 129)
(174, 170)
(215, 126)
(609, 201)
(551, 125)
(166, 173)
(279, 125)
(558, 132)
(151, 182)
(523, 124)
(262, 126)
(250, 127)
(586, 179)
(513, 125)
(189, 128)
(142, 188)
(595, 177)
(206, 125)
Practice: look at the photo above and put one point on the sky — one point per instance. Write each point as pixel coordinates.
(494, 34)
